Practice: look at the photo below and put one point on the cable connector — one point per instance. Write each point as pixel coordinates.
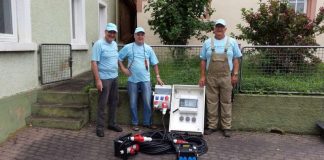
(179, 141)
(156, 104)
(164, 107)
(131, 150)
(140, 138)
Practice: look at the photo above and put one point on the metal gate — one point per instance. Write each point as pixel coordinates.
(56, 62)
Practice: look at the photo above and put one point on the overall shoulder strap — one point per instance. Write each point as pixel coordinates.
(212, 45)
(227, 44)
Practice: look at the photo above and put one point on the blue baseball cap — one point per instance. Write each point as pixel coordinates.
(111, 27)
(220, 21)
(139, 29)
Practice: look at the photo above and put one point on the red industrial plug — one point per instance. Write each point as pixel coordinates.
(179, 141)
(164, 107)
(131, 149)
(156, 104)
(140, 138)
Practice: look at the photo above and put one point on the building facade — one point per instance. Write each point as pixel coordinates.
(24, 26)
(230, 10)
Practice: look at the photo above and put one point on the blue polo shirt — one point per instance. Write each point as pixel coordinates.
(233, 50)
(106, 56)
(136, 55)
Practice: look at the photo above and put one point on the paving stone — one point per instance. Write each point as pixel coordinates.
(51, 144)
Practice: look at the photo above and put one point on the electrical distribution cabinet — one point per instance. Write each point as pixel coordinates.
(187, 110)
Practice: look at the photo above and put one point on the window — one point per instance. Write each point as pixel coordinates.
(299, 5)
(15, 26)
(8, 27)
(304, 6)
(78, 34)
(102, 18)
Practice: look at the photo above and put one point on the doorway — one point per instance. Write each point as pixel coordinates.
(127, 20)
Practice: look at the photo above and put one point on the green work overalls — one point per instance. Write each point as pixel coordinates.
(219, 89)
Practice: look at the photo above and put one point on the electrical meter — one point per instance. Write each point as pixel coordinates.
(187, 111)
(162, 97)
(187, 105)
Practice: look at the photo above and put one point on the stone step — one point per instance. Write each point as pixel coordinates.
(61, 110)
(320, 125)
(61, 123)
(62, 97)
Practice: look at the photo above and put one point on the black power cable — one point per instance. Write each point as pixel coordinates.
(163, 143)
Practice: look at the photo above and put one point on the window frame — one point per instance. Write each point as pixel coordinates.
(309, 8)
(103, 4)
(296, 3)
(21, 39)
(79, 28)
(11, 37)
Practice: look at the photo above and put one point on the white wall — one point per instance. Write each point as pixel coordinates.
(18, 72)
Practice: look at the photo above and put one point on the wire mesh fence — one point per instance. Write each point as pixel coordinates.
(178, 64)
(282, 69)
(55, 62)
(264, 69)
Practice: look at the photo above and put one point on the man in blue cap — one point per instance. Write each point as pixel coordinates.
(220, 59)
(104, 65)
(140, 57)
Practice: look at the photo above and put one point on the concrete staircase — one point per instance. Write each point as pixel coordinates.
(57, 109)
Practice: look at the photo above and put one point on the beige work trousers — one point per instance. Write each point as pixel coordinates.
(219, 92)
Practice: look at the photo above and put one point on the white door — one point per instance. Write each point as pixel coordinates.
(102, 18)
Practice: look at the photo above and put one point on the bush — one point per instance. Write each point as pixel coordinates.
(177, 21)
(276, 23)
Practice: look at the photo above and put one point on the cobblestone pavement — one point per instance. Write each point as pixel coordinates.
(46, 144)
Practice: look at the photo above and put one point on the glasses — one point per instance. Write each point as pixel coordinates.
(112, 32)
(219, 26)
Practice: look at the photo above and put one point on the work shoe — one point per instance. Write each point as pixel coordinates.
(115, 128)
(150, 126)
(209, 131)
(135, 128)
(100, 133)
(227, 133)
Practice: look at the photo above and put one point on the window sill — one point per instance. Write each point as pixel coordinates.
(12, 47)
(78, 47)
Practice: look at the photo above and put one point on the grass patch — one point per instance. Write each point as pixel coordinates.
(308, 82)
(173, 72)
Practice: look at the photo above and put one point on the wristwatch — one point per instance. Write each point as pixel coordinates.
(235, 74)
(157, 76)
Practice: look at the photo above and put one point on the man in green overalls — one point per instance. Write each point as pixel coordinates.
(220, 60)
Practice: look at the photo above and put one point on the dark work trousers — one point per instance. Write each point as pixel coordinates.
(108, 95)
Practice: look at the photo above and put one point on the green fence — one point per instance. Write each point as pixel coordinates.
(282, 69)
(178, 64)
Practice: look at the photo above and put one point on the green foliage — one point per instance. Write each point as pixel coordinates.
(276, 23)
(254, 81)
(177, 21)
(173, 71)
(89, 86)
